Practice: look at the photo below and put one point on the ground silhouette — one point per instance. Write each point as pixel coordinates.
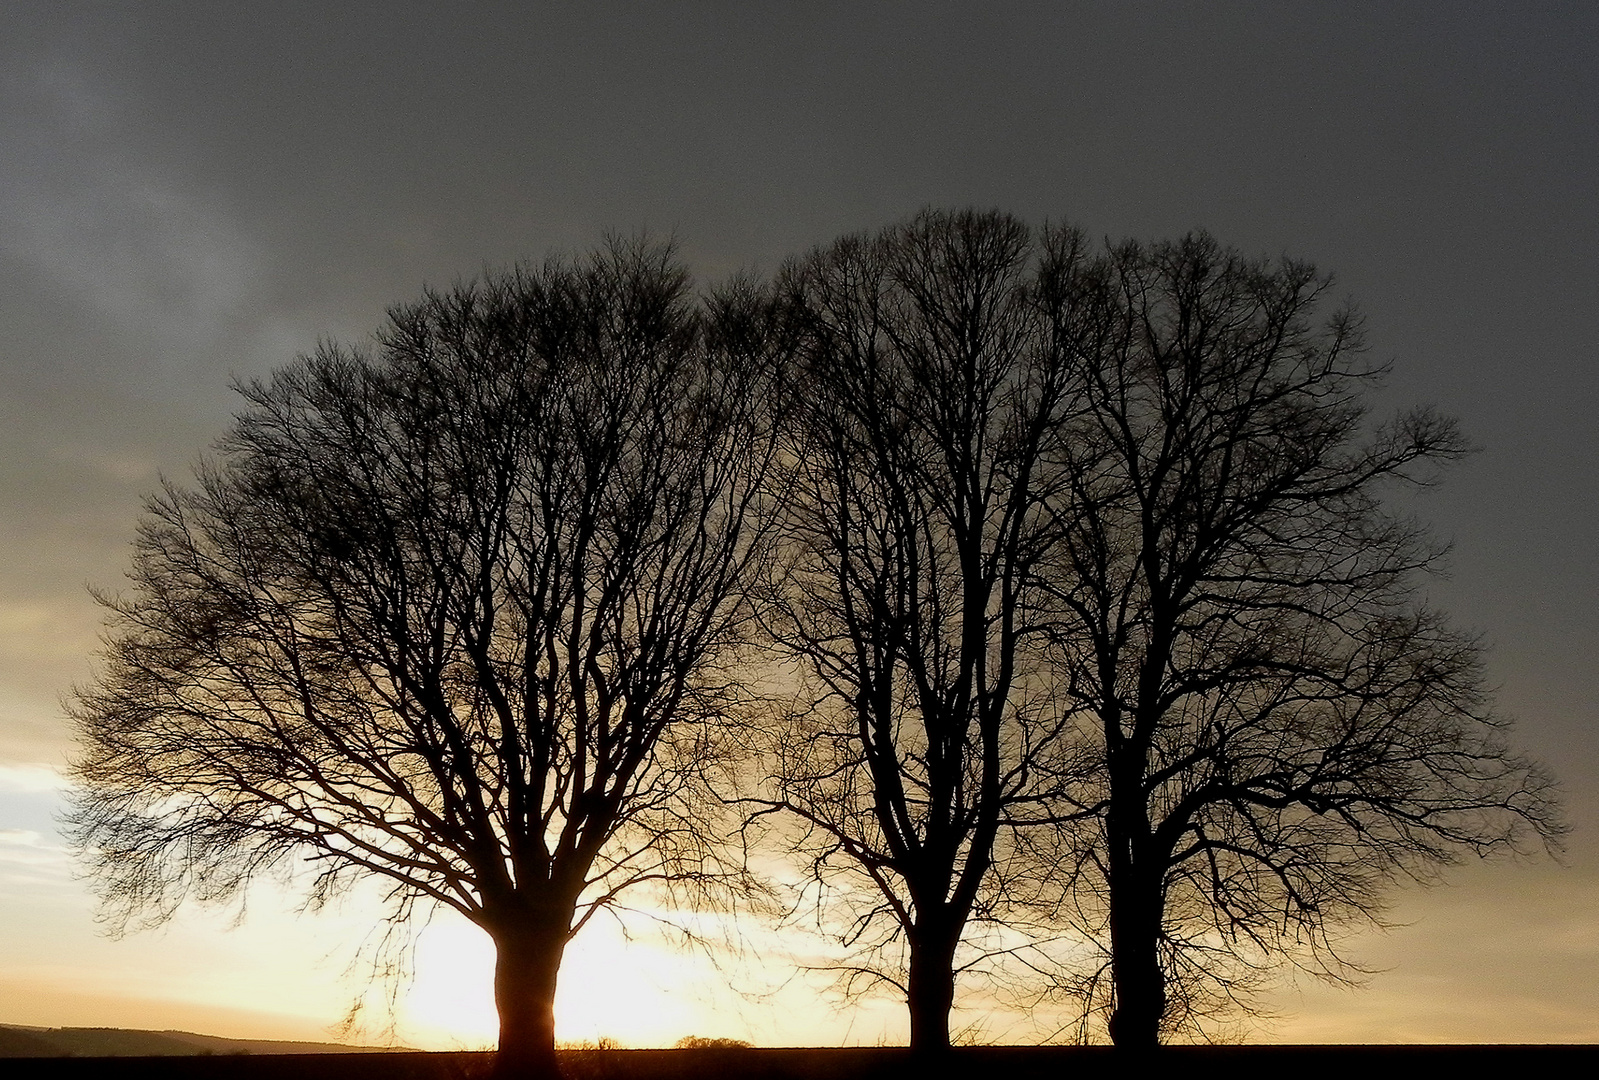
(852, 1063)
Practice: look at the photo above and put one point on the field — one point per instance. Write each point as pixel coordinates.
(1011, 1063)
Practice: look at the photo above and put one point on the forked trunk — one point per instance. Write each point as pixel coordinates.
(526, 963)
(932, 990)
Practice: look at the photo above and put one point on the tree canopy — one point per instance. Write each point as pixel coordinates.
(458, 612)
(1082, 560)
(1281, 725)
(922, 410)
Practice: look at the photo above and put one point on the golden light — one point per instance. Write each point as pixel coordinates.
(639, 992)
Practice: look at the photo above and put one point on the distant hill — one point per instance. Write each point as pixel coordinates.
(19, 1041)
(25, 1042)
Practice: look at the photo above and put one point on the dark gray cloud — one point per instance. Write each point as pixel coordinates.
(191, 192)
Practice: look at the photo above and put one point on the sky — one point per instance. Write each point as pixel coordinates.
(195, 193)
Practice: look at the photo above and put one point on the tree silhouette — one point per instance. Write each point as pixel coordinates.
(926, 400)
(458, 614)
(1282, 725)
(1079, 562)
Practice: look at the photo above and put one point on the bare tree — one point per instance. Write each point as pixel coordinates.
(459, 615)
(1282, 726)
(925, 400)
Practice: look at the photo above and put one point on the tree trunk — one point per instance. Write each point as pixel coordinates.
(932, 989)
(1136, 965)
(1136, 907)
(526, 963)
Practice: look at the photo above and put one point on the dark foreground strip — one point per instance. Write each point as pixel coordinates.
(978, 1063)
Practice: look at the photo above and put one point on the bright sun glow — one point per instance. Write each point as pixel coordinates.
(639, 991)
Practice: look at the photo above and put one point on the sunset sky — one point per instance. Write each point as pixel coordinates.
(192, 193)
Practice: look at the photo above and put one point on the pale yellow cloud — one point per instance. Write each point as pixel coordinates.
(31, 778)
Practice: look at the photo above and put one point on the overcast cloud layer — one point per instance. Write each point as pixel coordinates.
(193, 193)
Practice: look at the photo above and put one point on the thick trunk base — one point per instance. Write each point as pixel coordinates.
(525, 1064)
(526, 965)
(1140, 999)
(1135, 1029)
(1136, 923)
(931, 995)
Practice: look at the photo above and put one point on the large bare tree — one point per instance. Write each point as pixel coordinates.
(925, 401)
(458, 613)
(1282, 725)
